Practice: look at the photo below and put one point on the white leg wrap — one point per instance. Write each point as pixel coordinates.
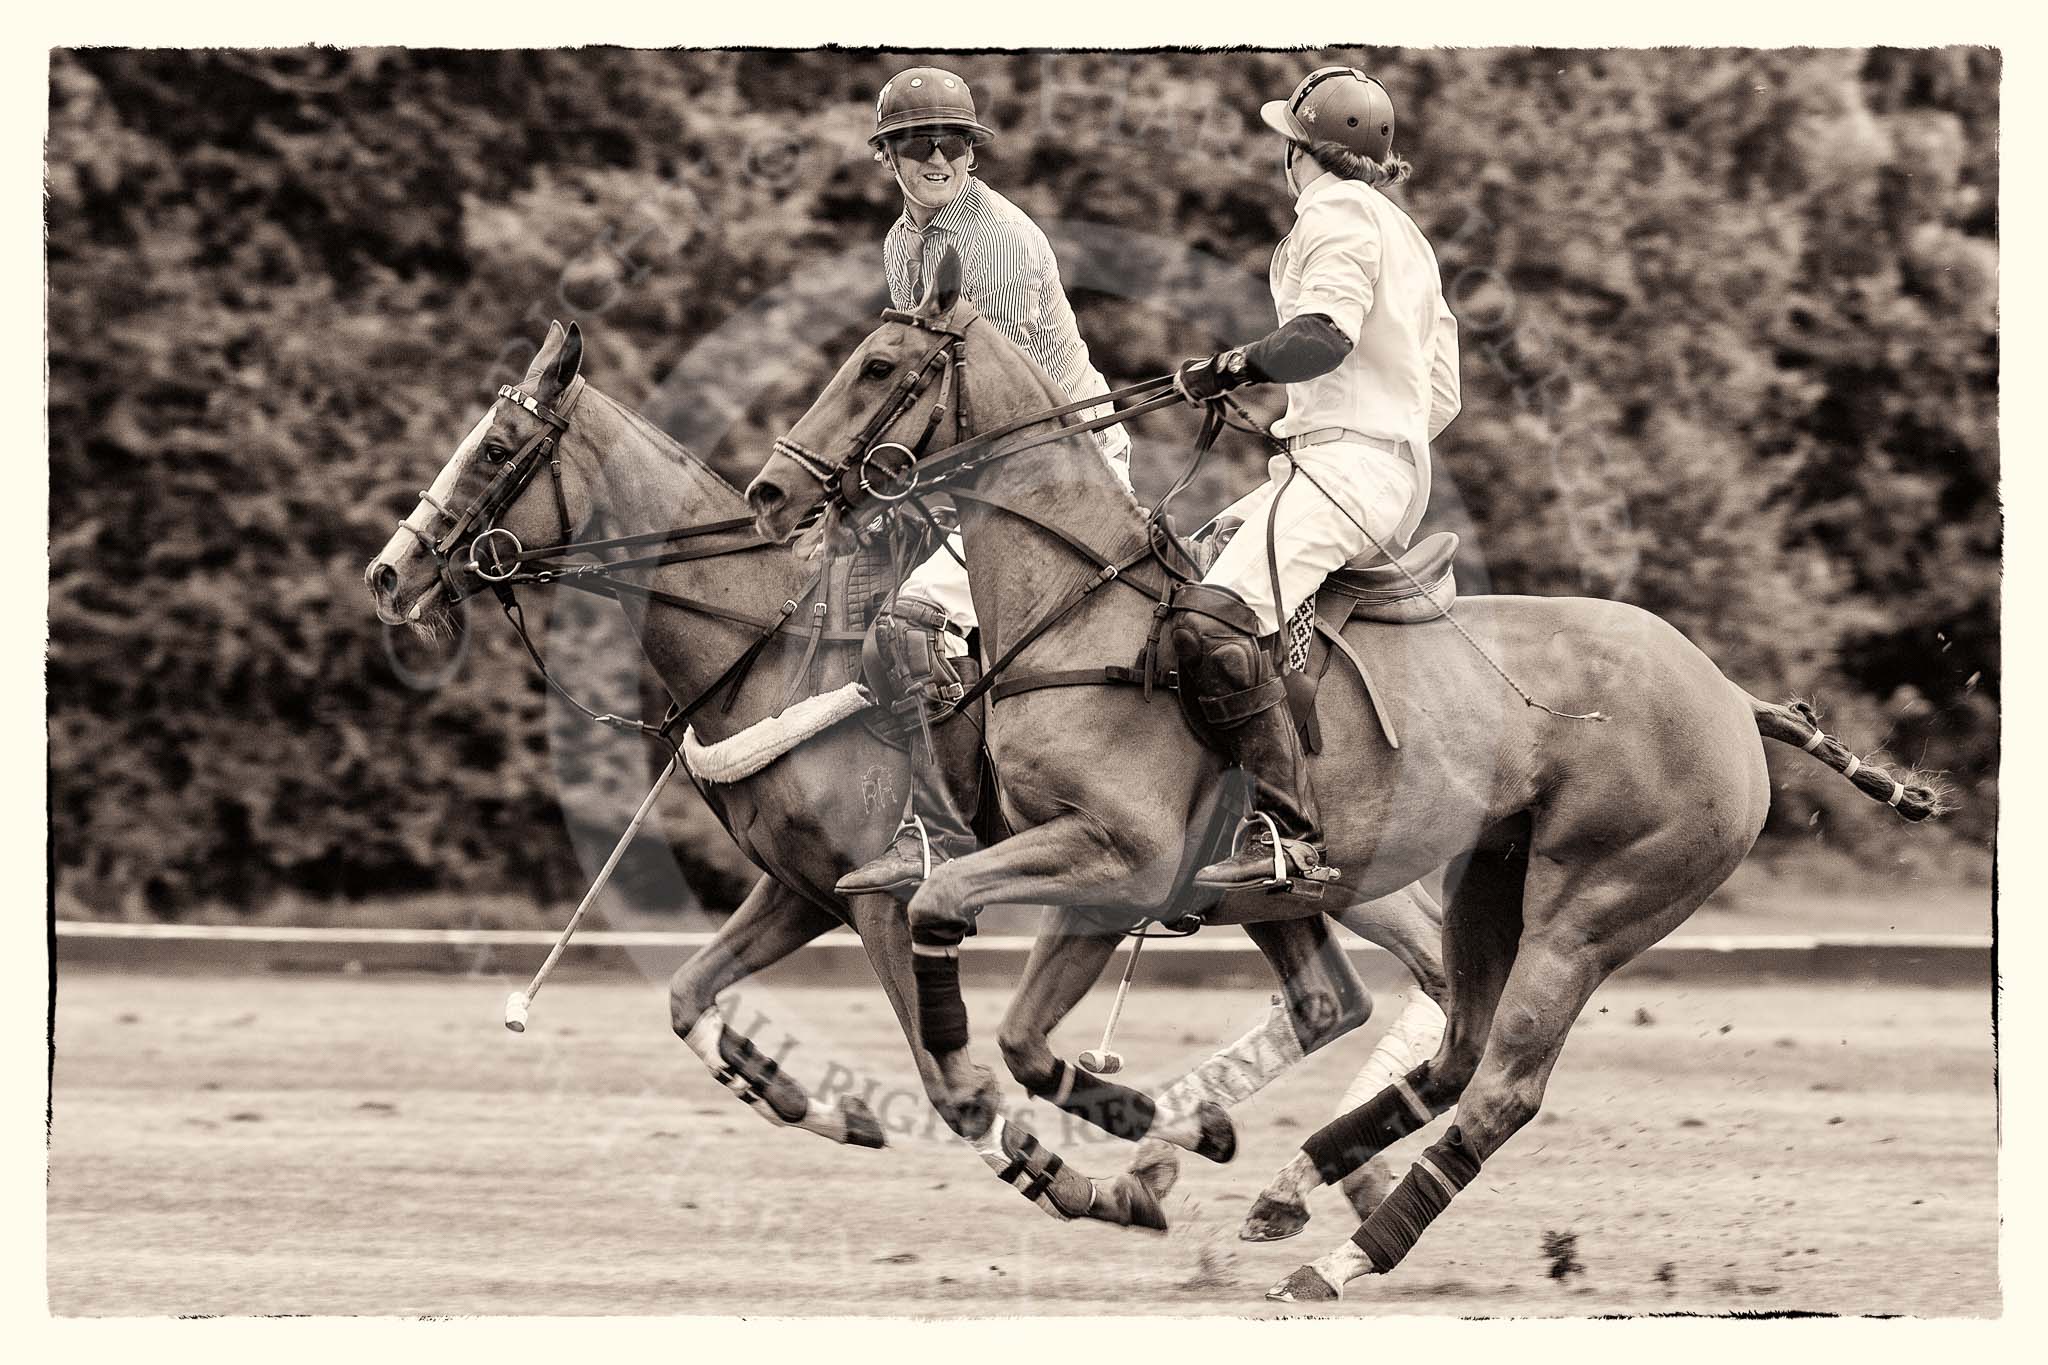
(1408, 1043)
(1024, 1174)
(703, 1039)
(1232, 1075)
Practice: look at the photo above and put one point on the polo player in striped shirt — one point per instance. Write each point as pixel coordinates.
(926, 130)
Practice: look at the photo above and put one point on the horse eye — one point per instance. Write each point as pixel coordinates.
(877, 368)
(495, 454)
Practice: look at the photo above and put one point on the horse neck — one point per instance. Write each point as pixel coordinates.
(650, 482)
(1018, 570)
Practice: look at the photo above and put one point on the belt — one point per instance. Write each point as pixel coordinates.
(1323, 436)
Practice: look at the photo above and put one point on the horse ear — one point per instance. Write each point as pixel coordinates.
(544, 359)
(944, 290)
(571, 359)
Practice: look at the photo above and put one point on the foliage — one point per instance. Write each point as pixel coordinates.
(1730, 352)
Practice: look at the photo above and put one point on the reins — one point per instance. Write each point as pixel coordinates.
(940, 470)
(507, 569)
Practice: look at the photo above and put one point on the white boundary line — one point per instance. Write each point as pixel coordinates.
(677, 938)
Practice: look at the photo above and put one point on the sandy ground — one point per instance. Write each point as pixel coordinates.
(345, 1145)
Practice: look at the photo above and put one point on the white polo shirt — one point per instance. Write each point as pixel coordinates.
(1354, 255)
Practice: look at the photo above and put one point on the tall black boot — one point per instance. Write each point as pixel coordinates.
(1235, 701)
(945, 762)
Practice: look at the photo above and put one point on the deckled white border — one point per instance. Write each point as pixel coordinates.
(32, 30)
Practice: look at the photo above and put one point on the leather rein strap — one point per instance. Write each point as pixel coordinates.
(508, 569)
(943, 468)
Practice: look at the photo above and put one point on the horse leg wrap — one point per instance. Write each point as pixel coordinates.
(1408, 1042)
(1347, 1142)
(1116, 1109)
(1037, 1172)
(757, 1078)
(1426, 1191)
(941, 1013)
(743, 1069)
(1230, 1076)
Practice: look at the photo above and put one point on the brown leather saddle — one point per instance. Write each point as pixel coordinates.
(1414, 588)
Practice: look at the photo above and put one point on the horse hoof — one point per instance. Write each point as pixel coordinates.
(1128, 1202)
(1218, 1140)
(1273, 1220)
(1158, 1165)
(862, 1128)
(1304, 1286)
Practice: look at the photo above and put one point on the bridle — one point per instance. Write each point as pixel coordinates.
(478, 521)
(854, 488)
(510, 564)
(860, 478)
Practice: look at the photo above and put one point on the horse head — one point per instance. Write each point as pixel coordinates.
(488, 504)
(893, 392)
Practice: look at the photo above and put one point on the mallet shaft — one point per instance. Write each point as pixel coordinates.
(1123, 988)
(604, 875)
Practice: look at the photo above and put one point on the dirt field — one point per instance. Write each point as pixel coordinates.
(280, 1145)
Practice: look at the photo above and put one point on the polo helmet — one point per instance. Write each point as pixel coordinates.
(1338, 104)
(927, 97)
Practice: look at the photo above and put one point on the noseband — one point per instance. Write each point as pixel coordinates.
(874, 470)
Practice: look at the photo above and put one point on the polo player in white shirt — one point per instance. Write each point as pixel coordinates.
(1369, 353)
(926, 130)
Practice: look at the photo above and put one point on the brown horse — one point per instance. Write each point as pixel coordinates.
(1584, 826)
(801, 818)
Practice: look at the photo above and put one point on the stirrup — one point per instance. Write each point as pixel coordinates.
(1308, 885)
(924, 841)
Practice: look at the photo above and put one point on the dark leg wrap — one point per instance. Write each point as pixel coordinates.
(941, 1013)
(1116, 1109)
(1416, 1201)
(1350, 1140)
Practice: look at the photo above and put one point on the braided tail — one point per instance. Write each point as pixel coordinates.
(1917, 796)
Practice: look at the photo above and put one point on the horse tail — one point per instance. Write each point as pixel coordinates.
(1915, 796)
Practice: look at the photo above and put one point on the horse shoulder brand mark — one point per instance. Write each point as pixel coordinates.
(877, 791)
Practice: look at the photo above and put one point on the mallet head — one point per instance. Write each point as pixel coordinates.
(1102, 1063)
(515, 1011)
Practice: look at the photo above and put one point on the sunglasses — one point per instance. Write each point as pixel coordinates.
(919, 147)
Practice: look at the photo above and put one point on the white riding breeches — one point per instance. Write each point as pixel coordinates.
(1313, 536)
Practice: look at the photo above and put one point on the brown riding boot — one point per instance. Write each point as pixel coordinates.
(945, 760)
(1234, 700)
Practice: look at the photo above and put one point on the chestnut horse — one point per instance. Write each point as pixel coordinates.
(1585, 826)
(799, 818)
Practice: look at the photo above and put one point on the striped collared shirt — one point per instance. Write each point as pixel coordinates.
(1011, 277)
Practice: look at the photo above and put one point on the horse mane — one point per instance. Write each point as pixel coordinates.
(676, 452)
(964, 314)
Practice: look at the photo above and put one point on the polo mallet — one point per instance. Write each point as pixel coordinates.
(1102, 1061)
(517, 1003)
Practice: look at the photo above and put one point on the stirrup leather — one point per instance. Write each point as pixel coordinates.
(1308, 885)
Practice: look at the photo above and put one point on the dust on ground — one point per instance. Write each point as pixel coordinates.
(349, 1145)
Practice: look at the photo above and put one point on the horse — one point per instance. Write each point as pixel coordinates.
(1581, 829)
(712, 611)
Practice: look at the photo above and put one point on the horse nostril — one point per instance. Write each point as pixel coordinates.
(764, 497)
(383, 579)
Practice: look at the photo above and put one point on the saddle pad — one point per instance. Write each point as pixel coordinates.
(754, 748)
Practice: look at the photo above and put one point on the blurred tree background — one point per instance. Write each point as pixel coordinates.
(1730, 352)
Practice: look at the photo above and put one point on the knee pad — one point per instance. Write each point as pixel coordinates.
(904, 658)
(1225, 677)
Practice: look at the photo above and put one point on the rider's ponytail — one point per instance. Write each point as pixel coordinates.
(1340, 160)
